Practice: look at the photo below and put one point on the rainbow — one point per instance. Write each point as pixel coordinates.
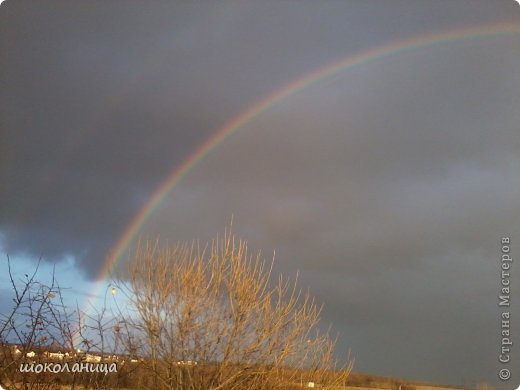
(243, 118)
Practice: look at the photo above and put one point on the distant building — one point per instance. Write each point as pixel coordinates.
(92, 358)
(187, 363)
(57, 355)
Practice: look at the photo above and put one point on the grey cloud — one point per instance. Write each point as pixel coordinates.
(386, 185)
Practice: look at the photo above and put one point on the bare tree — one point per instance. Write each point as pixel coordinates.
(37, 318)
(41, 329)
(215, 318)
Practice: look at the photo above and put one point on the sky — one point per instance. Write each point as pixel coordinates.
(387, 184)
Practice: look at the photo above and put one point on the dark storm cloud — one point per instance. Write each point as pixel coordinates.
(98, 109)
(387, 185)
(100, 103)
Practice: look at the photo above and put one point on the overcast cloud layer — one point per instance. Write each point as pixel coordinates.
(388, 186)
